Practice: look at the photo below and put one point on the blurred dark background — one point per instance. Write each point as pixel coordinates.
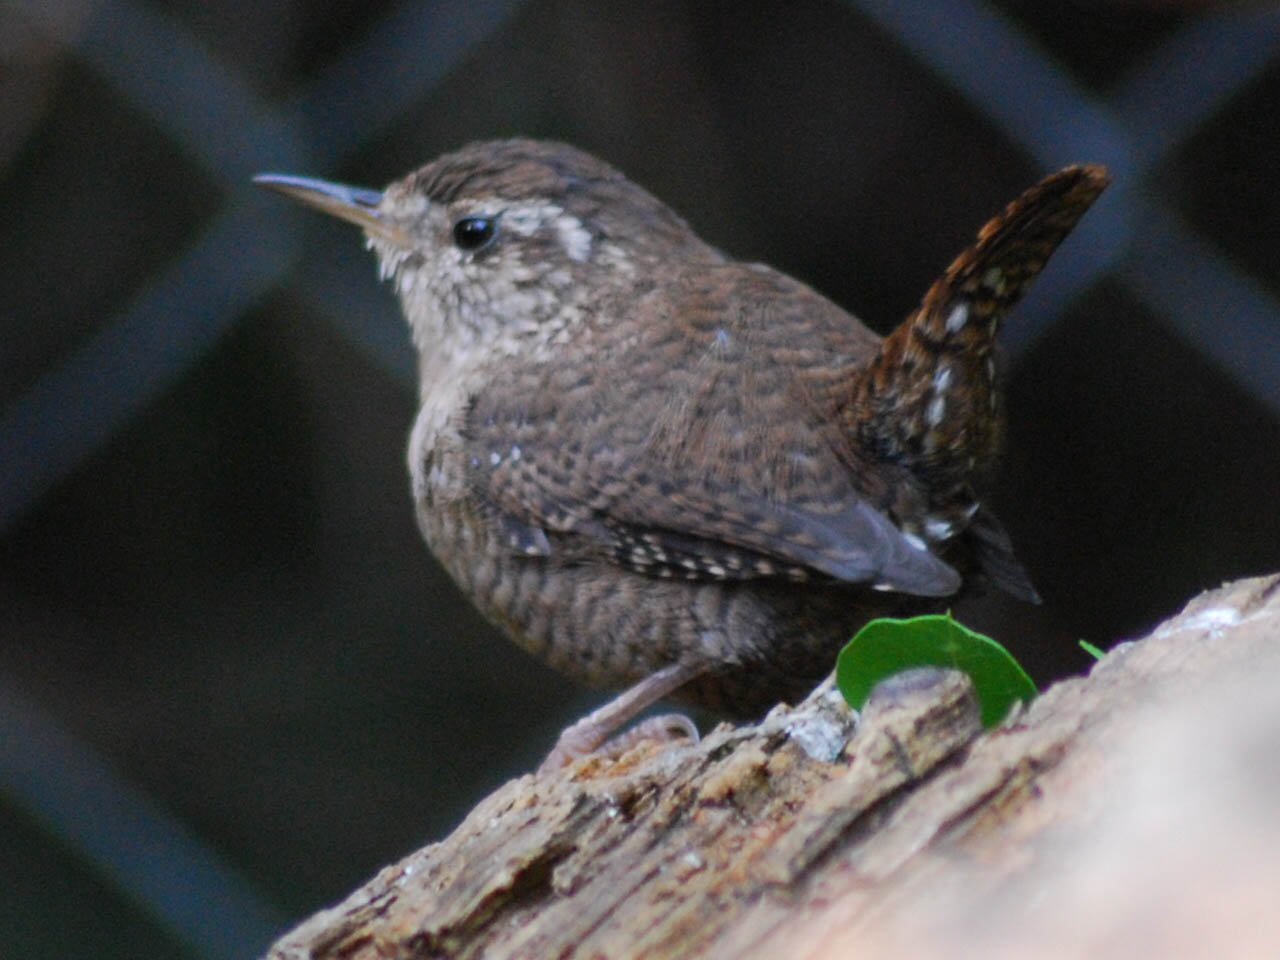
(233, 683)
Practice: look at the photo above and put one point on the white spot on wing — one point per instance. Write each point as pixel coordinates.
(938, 528)
(942, 379)
(936, 411)
(957, 318)
(915, 541)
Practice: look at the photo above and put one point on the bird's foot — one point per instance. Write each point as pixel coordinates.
(593, 732)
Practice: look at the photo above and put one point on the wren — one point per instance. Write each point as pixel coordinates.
(659, 468)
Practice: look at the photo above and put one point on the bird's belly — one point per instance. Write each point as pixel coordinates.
(761, 641)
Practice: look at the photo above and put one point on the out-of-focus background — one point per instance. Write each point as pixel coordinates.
(233, 683)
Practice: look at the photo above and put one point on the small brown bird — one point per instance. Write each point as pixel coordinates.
(655, 466)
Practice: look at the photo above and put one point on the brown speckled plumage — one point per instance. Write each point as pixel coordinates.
(639, 456)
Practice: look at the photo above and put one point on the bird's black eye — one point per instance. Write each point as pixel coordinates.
(473, 233)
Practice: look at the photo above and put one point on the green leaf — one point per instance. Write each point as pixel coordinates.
(1093, 651)
(887, 646)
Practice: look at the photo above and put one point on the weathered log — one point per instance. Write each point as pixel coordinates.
(1135, 809)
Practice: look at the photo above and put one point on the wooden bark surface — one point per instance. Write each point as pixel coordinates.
(1132, 811)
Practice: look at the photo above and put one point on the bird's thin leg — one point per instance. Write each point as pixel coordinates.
(590, 733)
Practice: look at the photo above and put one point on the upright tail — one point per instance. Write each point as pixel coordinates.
(930, 403)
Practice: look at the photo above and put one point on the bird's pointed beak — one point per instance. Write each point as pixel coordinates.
(356, 204)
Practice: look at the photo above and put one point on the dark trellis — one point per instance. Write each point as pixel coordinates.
(251, 248)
